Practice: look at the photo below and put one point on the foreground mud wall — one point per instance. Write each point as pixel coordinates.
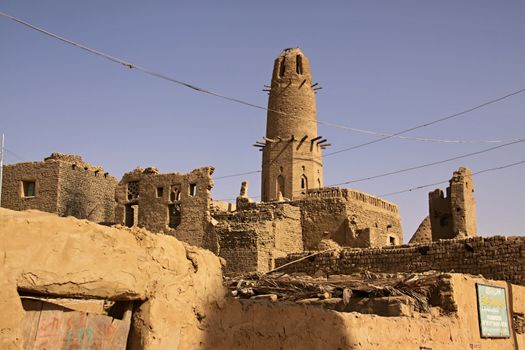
(174, 285)
(262, 325)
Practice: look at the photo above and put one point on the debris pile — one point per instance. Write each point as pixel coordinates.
(383, 294)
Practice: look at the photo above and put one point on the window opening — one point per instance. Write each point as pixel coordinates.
(160, 192)
(299, 64)
(133, 190)
(175, 193)
(174, 215)
(193, 190)
(392, 240)
(280, 185)
(304, 183)
(282, 67)
(130, 215)
(29, 188)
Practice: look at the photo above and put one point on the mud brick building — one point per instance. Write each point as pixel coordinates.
(349, 217)
(62, 184)
(451, 214)
(251, 237)
(173, 203)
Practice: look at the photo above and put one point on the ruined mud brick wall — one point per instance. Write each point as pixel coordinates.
(454, 215)
(175, 204)
(351, 218)
(498, 257)
(495, 257)
(86, 192)
(251, 238)
(63, 184)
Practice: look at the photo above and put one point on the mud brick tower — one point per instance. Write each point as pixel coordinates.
(291, 162)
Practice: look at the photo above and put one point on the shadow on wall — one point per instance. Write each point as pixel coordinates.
(262, 325)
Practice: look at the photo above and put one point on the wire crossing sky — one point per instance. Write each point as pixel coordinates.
(384, 67)
(385, 136)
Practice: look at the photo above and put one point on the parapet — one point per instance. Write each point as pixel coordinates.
(346, 193)
(73, 159)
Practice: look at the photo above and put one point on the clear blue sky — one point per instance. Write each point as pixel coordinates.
(384, 65)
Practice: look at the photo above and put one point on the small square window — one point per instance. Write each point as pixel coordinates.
(160, 192)
(193, 190)
(392, 240)
(29, 188)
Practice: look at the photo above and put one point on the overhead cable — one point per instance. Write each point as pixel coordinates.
(385, 136)
(446, 181)
(455, 115)
(429, 164)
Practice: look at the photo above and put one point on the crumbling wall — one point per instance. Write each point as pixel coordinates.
(174, 286)
(349, 217)
(63, 184)
(454, 215)
(175, 204)
(86, 193)
(499, 258)
(252, 237)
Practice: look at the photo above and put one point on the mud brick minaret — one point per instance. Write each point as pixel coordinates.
(291, 162)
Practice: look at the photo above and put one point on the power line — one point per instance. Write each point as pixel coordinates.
(414, 138)
(14, 154)
(445, 181)
(385, 136)
(431, 184)
(429, 164)
(423, 165)
(455, 115)
(131, 65)
(238, 174)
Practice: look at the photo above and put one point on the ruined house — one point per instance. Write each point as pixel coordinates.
(62, 184)
(451, 214)
(173, 203)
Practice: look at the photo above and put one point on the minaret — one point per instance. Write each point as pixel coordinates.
(291, 162)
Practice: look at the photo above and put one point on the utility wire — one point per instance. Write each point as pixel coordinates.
(445, 181)
(423, 165)
(427, 185)
(385, 136)
(455, 115)
(414, 138)
(14, 154)
(235, 175)
(429, 164)
(131, 65)
(401, 170)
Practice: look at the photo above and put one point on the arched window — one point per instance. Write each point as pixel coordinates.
(304, 183)
(299, 64)
(282, 67)
(280, 184)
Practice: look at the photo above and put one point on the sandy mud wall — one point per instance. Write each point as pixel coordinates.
(247, 324)
(175, 286)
